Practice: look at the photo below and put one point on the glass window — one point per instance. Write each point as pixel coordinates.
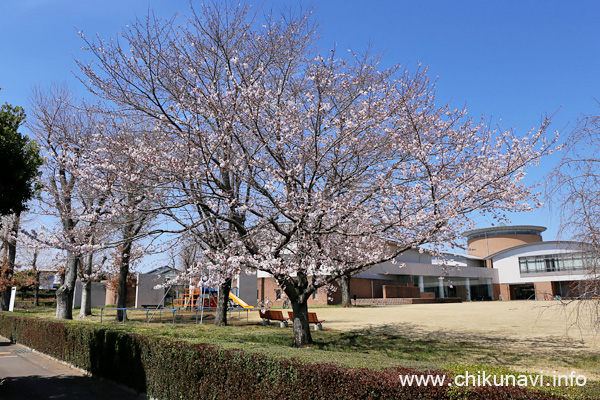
(555, 262)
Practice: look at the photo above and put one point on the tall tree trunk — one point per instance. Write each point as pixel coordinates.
(123, 274)
(344, 282)
(36, 288)
(10, 268)
(302, 336)
(222, 300)
(5, 296)
(86, 287)
(86, 299)
(64, 294)
(36, 293)
(295, 288)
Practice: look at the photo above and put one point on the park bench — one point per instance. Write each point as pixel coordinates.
(273, 315)
(312, 319)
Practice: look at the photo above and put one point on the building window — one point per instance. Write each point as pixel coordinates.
(278, 294)
(554, 263)
(316, 294)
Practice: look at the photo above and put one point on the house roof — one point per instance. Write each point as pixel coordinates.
(162, 270)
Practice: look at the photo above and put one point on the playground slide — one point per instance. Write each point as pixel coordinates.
(241, 302)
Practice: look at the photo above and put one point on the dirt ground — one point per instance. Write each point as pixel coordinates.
(522, 320)
(527, 327)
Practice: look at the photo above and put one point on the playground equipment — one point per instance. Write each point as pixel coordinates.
(240, 302)
(198, 296)
(194, 297)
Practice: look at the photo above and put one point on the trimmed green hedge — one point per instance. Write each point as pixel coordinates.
(168, 369)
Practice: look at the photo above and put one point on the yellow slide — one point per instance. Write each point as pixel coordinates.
(241, 302)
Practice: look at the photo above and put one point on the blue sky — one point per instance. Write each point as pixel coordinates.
(510, 60)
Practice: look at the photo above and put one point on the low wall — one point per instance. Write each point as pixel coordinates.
(395, 291)
(400, 301)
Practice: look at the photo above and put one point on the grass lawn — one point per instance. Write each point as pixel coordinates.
(372, 346)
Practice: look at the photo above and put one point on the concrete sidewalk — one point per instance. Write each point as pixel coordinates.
(28, 375)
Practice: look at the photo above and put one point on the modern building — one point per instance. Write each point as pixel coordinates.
(502, 263)
(526, 267)
(452, 276)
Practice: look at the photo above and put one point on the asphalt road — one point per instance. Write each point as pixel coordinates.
(26, 375)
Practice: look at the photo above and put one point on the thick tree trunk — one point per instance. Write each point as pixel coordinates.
(222, 300)
(302, 336)
(6, 299)
(86, 288)
(123, 274)
(86, 299)
(12, 254)
(296, 290)
(344, 282)
(36, 295)
(64, 294)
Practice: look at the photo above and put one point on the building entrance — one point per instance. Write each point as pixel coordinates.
(522, 292)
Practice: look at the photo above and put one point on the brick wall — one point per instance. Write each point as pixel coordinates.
(543, 290)
(268, 287)
(368, 288)
(404, 291)
(496, 291)
(400, 301)
(362, 288)
(111, 296)
(505, 292)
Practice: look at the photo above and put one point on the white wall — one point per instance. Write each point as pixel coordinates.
(145, 294)
(247, 288)
(98, 294)
(507, 263)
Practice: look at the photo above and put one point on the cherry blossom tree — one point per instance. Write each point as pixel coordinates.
(77, 198)
(187, 79)
(135, 192)
(306, 166)
(575, 182)
(32, 258)
(574, 189)
(9, 229)
(363, 166)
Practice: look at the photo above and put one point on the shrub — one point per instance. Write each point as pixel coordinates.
(169, 369)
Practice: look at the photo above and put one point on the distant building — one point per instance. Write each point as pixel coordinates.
(166, 271)
(527, 267)
(49, 279)
(503, 263)
(142, 290)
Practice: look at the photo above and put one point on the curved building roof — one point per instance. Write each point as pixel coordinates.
(505, 230)
(575, 246)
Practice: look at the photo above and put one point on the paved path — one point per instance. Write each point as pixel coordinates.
(26, 375)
